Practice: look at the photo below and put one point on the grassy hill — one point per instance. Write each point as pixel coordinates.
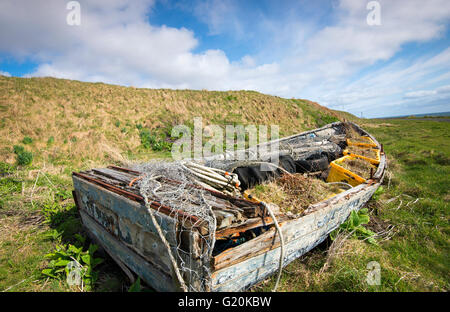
(80, 122)
(51, 127)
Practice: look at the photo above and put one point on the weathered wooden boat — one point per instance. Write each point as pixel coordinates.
(114, 213)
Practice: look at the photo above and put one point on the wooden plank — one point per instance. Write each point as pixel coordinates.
(194, 276)
(223, 218)
(248, 225)
(148, 272)
(113, 174)
(246, 274)
(123, 207)
(136, 173)
(147, 244)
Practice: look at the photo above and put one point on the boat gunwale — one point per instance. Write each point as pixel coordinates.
(344, 196)
(338, 199)
(377, 176)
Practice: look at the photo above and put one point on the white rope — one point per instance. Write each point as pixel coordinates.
(165, 242)
(280, 268)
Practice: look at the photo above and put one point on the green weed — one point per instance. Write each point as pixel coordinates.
(23, 157)
(354, 224)
(27, 140)
(67, 261)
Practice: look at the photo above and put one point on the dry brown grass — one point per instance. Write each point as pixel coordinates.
(358, 166)
(294, 192)
(97, 121)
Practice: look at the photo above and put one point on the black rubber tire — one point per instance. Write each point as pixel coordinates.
(312, 165)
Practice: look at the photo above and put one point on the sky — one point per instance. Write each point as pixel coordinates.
(370, 58)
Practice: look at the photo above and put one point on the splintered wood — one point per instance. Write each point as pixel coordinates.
(294, 193)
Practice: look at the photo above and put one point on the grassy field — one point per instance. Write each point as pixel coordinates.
(413, 210)
(51, 127)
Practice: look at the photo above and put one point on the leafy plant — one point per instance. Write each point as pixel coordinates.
(64, 219)
(9, 185)
(23, 157)
(231, 98)
(27, 140)
(63, 194)
(50, 140)
(18, 149)
(378, 193)
(354, 224)
(51, 212)
(150, 140)
(136, 287)
(63, 258)
(326, 119)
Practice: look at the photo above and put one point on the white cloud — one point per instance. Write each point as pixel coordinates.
(444, 90)
(115, 43)
(420, 94)
(3, 73)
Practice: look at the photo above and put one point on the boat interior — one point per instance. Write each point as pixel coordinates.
(312, 167)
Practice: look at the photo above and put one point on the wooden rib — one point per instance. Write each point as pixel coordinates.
(248, 225)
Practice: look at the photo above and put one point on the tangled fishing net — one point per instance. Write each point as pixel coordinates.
(181, 187)
(173, 185)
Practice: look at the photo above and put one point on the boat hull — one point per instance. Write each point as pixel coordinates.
(120, 223)
(259, 258)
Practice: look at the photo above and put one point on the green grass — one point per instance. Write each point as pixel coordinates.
(37, 211)
(414, 259)
(417, 257)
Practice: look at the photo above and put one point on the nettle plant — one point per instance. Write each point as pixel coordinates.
(75, 265)
(354, 224)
